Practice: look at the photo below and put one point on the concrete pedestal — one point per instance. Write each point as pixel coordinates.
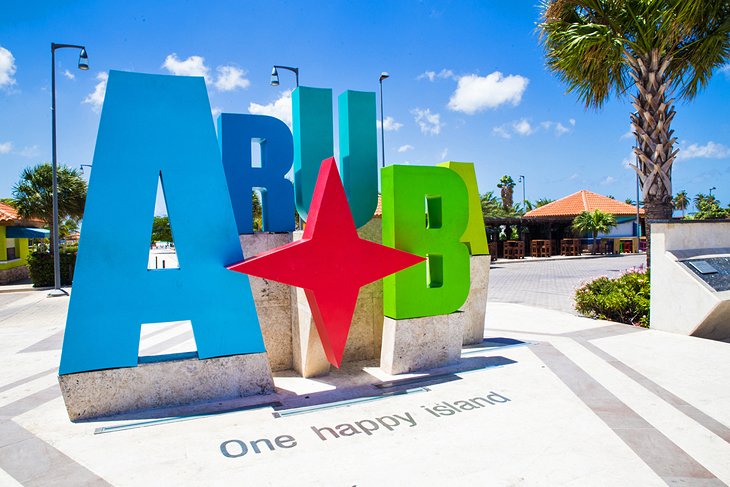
(365, 336)
(421, 343)
(183, 379)
(273, 301)
(475, 306)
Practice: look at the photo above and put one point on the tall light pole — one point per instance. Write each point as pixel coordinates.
(83, 65)
(275, 74)
(712, 189)
(638, 218)
(524, 200)
(383, 76)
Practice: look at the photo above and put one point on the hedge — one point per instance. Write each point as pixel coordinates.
(624, 299)
(40, 266)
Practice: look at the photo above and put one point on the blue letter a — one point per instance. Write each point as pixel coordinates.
(154, 125)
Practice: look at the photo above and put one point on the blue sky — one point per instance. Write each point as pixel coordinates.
(468, 83)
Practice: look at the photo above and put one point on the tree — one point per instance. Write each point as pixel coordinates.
(661, 48)
(708, 208)
(161, 229)
(507, 185)
(594, 222)
(257, 212)
(33, 194)
(681, 202)
(543, 201)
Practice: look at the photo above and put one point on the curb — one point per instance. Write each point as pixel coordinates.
(25, 289)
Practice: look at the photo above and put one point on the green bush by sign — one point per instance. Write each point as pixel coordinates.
(40, 266)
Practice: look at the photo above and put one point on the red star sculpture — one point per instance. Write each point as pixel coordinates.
(331, 262)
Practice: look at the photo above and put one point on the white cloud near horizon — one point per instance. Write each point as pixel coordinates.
(477, 93)
(710, 150)
(96, 97)
(405, 148)
(279, 108)
(432, 75)
(7, 68)
(389, 124)
(231, 78)
(429, 123)
(68, 74)
(29, 152)
(443, 154)
(608, 180)
(6, 147)
(522, 127)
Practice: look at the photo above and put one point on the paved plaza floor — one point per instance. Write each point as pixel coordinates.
(552, 283)
(549, 398)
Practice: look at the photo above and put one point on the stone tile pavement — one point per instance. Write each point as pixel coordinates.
(548, 399)
(551, 284)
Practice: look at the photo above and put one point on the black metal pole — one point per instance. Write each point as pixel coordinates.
(382, 125)
(57, 291)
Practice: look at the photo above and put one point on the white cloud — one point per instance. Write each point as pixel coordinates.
(477, 93)
(7, 68)
(68, 74)
(561, 129)
(629, 134)
(429, 123)
(608, 180)
(279, 108)
(432, 75)
(390, 124)
(6, 147)
(231, 78)
(629, 161)
(725, 70)
(215, 111)
(443, 154)
(30, 152)
(502, 131)
(192, 66)
(710, 150)
(522, 127)
(557, 127)
(405, 148)
(96, 98)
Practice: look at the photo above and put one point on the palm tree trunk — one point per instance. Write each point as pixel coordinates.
(654, 142)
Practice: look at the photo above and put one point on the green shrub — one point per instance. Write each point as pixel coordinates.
(624, 299)
(40, 266)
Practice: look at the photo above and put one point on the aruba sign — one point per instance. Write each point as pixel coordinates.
(155, 126)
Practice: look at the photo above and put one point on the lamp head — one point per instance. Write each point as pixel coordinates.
(384, 75)
(83, 60)
(274, 77)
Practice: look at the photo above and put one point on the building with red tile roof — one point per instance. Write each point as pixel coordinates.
(14, 234)
(583, 200)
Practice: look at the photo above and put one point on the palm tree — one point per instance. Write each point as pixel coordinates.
(661, 48)
(543, 201)
(681, 201)
(594, 222)
(33, 194)
(507, 185)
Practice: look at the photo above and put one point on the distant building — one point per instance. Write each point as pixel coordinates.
(563, 211)
(14, 235)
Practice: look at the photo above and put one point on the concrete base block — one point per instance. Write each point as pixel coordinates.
(421, 343)
(475, 307)
(309, 357)
(366, 331)
(273, 301)
(178, 381)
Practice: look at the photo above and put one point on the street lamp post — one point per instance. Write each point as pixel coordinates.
(275, 74)
(383, 76)
(524, 200)
(83, 65)
(638, 213)
(712, 189)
